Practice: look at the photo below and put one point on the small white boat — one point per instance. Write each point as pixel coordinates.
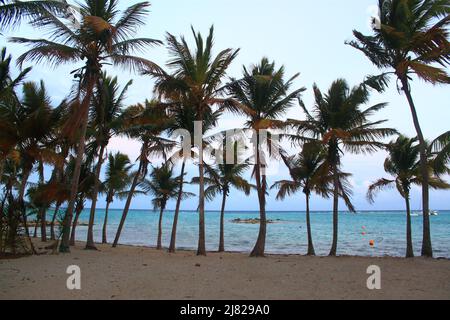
(420, 213)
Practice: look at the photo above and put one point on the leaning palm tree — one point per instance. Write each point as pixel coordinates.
(196, 82)
(117, 180)
(308, 174)
(164, 187)
(409, 38)
(403, 165)
(338, 123)
(103, 35)
(144, 123)
(262, 96)
(219, 179)
(105, 120)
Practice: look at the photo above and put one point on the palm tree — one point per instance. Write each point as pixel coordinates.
(338, 123)
(403, 165)
(8, 107)
(164, 187)
(410, 38)
(197, 83)
(117, 180)
(308, 174)
(183, 118)
(219, 181)
(220, 178)
(104, 35)
(262, 96)
(105, 120)
(144, 123)
(34, 126)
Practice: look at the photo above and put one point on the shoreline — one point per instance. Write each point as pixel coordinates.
(136, 272)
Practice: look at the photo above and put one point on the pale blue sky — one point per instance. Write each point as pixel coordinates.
(307, 37)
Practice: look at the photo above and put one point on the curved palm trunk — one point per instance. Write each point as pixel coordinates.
(201, 251)
(311, 251)
(409, 243)
(128, 203)
(90, 245)
(427, 249)
(52, 224)
(159, 243)
(43, 210)
(78, 210)
(260, 246)
(36, 226)
(222, 224)
(333, 250)
(173, 237)
(26, 175)
(43, 217)
(105, 223)
(65, 241)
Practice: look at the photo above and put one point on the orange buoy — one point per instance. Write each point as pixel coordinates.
(372, 243)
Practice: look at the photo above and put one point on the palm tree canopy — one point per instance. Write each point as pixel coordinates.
(262, 95)
(403, 164)
(410, 37)
(338, 121)
(104, 34)
(307, 172)
(440, 148)
(108, 105)
(197, 75)
(7, 83)
(162, 185)
(117, 175)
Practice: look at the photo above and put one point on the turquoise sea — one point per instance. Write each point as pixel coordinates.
(286, 236)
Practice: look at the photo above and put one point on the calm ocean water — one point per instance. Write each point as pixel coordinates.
(286, 236)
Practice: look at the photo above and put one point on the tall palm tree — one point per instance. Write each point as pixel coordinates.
(308, 175)
(403, 165)
(163, 186)
(144, 123)
(183, 118)
(220, 180)
(104, 35)
(197, 82)
(108, 103)
(339, 124)
(117, 179)
(410, 38)
(262, 96)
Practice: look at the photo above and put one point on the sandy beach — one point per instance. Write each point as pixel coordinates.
(144, 273)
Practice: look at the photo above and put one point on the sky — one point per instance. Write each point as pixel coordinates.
(306, 37)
